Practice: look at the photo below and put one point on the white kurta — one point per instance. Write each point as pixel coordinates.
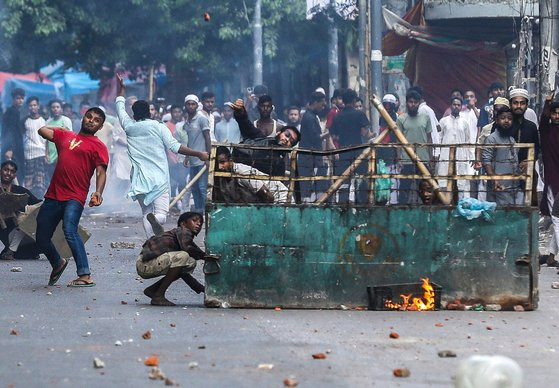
(455, 130)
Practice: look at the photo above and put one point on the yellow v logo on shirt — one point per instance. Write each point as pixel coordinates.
(74, 144)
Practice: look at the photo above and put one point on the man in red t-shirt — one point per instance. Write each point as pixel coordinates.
(79, 156)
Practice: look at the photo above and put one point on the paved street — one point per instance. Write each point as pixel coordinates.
(61, 330)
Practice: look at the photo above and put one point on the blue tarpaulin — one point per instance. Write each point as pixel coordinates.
(75, 83)
(44, 91)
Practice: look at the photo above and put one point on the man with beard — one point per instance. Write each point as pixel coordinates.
(12, 133)
(524, 131)
(417, 129)
(312, 140)
(79, 156)
(549, 130)
(269, 162)
(455, 130)
(503, 161)
(294, 116)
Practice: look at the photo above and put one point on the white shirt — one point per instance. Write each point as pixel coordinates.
(34, 145)
(426, 109)
(278, 189)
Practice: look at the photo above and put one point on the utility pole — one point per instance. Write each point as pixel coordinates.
(363, 19)
(332, 50)
(257, 43)
(376, 57)
(549, 43)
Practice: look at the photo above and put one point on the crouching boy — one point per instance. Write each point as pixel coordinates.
(172, 255)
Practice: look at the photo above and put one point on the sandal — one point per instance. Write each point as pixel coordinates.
(54, 276)
(80, 282)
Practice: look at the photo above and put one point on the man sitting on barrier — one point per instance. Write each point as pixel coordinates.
(503, 161)
(269, 162)
(245, 190)
(172, 255)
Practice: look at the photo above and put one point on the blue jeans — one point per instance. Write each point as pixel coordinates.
(50, 215)
(200, 189)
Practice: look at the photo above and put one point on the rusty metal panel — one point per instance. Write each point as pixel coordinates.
(324, 257)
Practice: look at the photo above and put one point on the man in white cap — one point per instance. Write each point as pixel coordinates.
(195, 132)
(523, 131)
(147, 141)
(389, 155)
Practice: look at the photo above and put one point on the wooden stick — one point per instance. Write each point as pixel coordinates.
(529, 172)
(211, 175)
(188, 186)
(350, 170)
(372, 170)
(292, 171)
(451, 169)
(409, 150)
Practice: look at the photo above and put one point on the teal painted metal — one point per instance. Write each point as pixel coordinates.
(323, 257)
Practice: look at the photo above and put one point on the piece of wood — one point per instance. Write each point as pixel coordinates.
(372, 171)
(188, 186)
(451, 170)
(529, 178)
(409, 150)
(211, 175)
(292, 172)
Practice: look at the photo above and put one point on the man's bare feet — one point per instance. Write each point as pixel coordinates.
(161, 301)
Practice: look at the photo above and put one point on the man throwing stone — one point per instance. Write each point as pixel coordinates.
(79, 156)
(147, 141)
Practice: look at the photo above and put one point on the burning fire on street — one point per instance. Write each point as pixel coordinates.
(409, 303)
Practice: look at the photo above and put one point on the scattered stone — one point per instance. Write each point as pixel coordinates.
(146, 335)
(87, 334)
(290, 382)
(489, 328)
(555, 285)
(68, 351)
(439, 324)
(328, 351)
(202, 347)
(14, 332)
(446, 353)
(152, 360)
(319, 356)
(359, 308)
(173, 325)
(277, 308)
(168, 381)
(49, 293)
(344, 307)
(123, 302)
(493, 307)
(16, 269)
(225, 305)
(266, 366)
(123, 245)
(118, 343)
(401, 372)
(518, 308)
(394, 335)
(156, 374)
(192, 365)
(98, 363)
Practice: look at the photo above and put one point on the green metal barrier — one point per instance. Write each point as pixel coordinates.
(325, 257)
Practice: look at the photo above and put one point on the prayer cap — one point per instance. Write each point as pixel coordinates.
(192, 97)
(518, 92)
(501, 101)
(389, 98)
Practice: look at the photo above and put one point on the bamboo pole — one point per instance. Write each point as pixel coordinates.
(409, 150)
(451, 170)
(529, 178)
(211, 175)
(350, 170)
(188, 186)
(372, 170)
(292, 171)
(150, 80)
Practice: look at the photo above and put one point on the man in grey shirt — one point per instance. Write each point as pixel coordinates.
(196, 129)
(502, 161)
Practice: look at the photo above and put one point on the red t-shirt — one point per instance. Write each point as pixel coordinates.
(78, 156)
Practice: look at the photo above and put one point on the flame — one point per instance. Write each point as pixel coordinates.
(417, 304)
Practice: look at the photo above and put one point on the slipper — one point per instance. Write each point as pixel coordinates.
(81, 283)
(55, 276)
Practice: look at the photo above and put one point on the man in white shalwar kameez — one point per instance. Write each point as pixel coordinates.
(455, 130)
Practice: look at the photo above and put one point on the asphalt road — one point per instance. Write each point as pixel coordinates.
(59, 331)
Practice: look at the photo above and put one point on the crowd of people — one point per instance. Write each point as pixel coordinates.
(150, 153)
